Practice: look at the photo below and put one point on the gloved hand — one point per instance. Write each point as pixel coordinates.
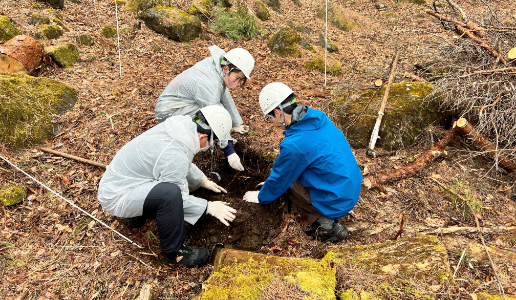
(222, 211)
(252, 197)
(240, 129)
(210, 185)
(234, 162)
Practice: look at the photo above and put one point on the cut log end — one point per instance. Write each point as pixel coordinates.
(461, 123)
(11, 65)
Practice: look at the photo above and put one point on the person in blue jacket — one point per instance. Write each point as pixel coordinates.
(315, 162)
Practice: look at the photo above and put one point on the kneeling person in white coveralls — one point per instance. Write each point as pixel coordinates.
(150, 177)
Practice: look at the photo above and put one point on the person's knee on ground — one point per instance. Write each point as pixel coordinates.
(328, 230)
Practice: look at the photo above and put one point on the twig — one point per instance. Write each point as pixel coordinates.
(83, 160)
(460, 260)
(500, 286)
(401, 226)
(489, 105)
(140, 261)
(489, 71)
(457, 229)
(483, 44)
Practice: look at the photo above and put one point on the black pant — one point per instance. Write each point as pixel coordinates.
(165, 204)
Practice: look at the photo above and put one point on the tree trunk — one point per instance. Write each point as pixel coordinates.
(466, 129)
(21, 54)
(375, 180)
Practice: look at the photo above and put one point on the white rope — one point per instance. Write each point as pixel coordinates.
(67, 201)
(326, 43)
(118, 40)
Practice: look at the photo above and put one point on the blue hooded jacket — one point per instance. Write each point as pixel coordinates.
(316, 153)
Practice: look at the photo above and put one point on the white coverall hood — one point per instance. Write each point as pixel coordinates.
(185, 132)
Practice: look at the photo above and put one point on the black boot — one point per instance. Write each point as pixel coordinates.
(135, 222)
(328, 230)
(188, 256)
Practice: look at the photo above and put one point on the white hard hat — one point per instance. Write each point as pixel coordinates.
(218, 118)
(272, 95)
(242, 59)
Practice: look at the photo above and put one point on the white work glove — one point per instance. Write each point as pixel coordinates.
(222, 211)
(210, 185)
(252, 197)
(240, 129)
(234, 162)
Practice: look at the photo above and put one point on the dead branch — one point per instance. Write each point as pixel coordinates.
(375, 181)
(489, 105)
(402, 222)
(463, 127)
(501, 70)
(478, 30)
(493, 52)
(500, 286)
(457, 229)
(83, 160)
(414, 77)
(443, 18)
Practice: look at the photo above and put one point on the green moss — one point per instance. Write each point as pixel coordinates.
(331, 47)
(284, 43)
(142, 5)
(12, 194)
(49, 32)
(201, 9)
(64, 55)
(262, 12)
(36, 5)
(156, 48)
(118, 3)
(7, 29)
(297, 2)
(485, 296)
(26, 107)
(419, 2)
(172, 22)
(318, 64)
(60, 23)
(274, 4)
(55, 3)
(338, 16)
(85, 39)
(37, 19)
(108, 31)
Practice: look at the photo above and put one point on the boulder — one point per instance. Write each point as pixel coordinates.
(317, 63)
(85, 39)
(37, 19)
(12, 194)
(341, 17)
(48, 32)
(261, 11)
(64, 55)
(284, 43)
(411, 107)
(331, 47)
(7, 29)
(201, 9)
(108, 31)
(26, 105)
(274, 4)
(246, 275)
(172, 22)
(55, 3)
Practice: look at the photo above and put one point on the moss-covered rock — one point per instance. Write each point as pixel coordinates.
(274, 4)
(331, 47)
(297, 2)
(142, 5)
(12, 194)
(284, 43)
(26, 107)
(64, 55)
(55, 3)
(108, 31)
(261, 11)
(37, 19)
(172, 22)
(341, 17)
(7, 29)
(245, 275)
(420, 2)
(36, 5)
(49, 32)
(201, 8)
(118, 3)
(85, 39)
(317, 63)
(407, 113)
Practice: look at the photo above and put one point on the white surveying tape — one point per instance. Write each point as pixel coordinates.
(67, 201)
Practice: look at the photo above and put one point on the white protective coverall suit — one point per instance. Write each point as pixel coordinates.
(164, 153)
(197, 87)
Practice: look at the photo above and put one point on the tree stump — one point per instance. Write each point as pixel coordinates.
(21, 54)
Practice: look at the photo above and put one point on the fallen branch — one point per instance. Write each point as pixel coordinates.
(478, 30)
(83, 160)
(414, 77)
(484, 45)
(443, 18)
(402, 222)
(489, 105)
(456, 229)
(500, 286)
(374, 181)
(463, 127)
(490, 71)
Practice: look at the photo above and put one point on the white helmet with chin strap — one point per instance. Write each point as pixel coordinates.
(242, 59)
(218, 119)
(272, 95)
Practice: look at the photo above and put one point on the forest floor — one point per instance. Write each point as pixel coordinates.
(49, 250)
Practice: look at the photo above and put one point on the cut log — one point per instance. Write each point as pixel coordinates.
(23, 52)
(463, 127)
(375, 180)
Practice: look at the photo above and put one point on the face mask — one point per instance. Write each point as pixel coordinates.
(204, 149)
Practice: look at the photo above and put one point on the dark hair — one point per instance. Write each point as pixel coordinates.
(288, 105)
(202, 125)
(232, 68)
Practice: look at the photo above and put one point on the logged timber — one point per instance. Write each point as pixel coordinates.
(21, 54)
(463, 127)
(375, 180)
(83, 160)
